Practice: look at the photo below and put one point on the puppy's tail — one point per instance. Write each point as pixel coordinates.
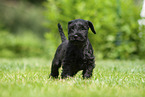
(63, 38)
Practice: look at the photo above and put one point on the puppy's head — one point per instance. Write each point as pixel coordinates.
(78, 30)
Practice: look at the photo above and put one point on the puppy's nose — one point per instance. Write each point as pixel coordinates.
(75, 36)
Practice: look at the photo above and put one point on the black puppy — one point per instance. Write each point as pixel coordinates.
(76, 53)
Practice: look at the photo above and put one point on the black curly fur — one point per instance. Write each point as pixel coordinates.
(76, 53)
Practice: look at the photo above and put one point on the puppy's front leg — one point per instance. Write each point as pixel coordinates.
(66, 72)
(87, 73)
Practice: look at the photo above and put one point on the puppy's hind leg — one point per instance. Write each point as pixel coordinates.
(54, 69)
(56, 64)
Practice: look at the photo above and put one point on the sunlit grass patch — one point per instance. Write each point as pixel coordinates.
(30, 78)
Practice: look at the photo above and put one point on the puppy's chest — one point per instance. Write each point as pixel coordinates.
(76, 57)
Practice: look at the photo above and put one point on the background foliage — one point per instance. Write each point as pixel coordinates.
(25, 32)
(18, 17)
(116, 24)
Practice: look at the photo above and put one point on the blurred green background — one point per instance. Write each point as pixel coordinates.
(28, 28)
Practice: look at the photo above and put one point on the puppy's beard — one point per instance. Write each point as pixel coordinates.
(78, 39)
(77, 42)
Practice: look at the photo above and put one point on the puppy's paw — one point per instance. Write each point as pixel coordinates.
(51, 76)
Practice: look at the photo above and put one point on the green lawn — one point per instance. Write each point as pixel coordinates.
(29, 78)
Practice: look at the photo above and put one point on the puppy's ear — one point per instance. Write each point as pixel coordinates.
(91, 26)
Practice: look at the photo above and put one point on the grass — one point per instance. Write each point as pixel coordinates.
(29, 78)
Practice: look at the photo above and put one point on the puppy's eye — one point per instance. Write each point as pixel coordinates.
(72, 28)
(83, 28)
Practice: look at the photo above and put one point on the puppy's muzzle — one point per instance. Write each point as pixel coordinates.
(76, 37)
